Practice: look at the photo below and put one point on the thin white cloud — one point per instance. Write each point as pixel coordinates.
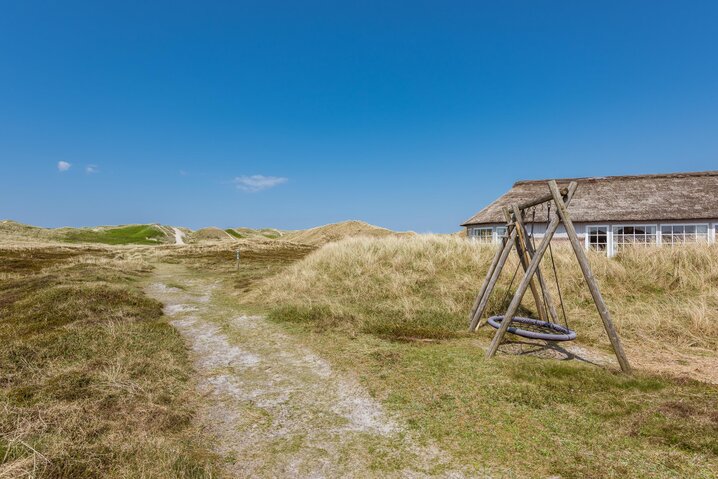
(90, 169)
(183, 173)
(254, 183)
(63, 165)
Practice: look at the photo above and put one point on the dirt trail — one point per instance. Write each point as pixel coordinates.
(275, 408)
(179, 236)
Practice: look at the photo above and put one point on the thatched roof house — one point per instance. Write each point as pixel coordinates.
(612, 211)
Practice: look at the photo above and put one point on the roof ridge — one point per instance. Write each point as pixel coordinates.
(687, 174)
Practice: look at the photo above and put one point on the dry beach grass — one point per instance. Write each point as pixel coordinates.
(661, 298)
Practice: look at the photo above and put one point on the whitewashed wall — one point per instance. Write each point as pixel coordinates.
(540, 228)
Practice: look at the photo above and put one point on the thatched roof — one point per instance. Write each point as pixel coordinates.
(676, 196)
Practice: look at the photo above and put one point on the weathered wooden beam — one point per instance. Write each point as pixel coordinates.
(524, 260)
(523, 232)
(489, 274)
(541, 200)
(590, 280)
(484, 300)
(523, 286)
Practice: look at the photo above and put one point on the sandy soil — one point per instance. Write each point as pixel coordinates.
(179, 236)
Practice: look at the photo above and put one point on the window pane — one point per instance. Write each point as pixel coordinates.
(483, 235)
(597, 237)
(679, 234)
(633, 235)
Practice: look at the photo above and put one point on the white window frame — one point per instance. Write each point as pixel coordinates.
(474, 235)
(497, 236)
(609, 241)
(657, 234)
(672, 243)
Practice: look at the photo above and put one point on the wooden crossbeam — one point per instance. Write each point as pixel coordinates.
(541, 200)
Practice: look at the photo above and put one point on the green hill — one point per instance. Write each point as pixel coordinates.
(130, 234)
(144, 234)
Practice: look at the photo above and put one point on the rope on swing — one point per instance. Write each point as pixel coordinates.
(533, 245)
(555, 272)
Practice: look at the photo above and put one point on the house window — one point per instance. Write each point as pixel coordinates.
(482, 235)
(597, 238)
(500, 232)
(680, 234)
(635, 235)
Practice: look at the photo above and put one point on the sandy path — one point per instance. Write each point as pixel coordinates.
(275, 408)
(179, 236)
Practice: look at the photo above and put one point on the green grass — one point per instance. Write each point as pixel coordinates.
(134, 234)
(234, 233)
(94, 382)
(527, 417)
(420, 324)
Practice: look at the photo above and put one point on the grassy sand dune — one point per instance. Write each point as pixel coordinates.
(338, 231)
(247, 233)
(210, 234)
(425, 285)
(141, 234)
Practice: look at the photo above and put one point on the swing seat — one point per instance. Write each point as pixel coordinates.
(535, 329)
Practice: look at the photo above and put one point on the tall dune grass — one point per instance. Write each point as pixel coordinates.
(424, 286)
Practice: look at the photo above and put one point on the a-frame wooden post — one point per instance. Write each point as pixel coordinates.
(590, 279)
(533, 266)
(482, 299)
(489, 273)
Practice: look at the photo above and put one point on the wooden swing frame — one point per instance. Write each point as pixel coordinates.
(517, 237)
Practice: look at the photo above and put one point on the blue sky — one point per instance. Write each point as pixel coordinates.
(410, 115)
